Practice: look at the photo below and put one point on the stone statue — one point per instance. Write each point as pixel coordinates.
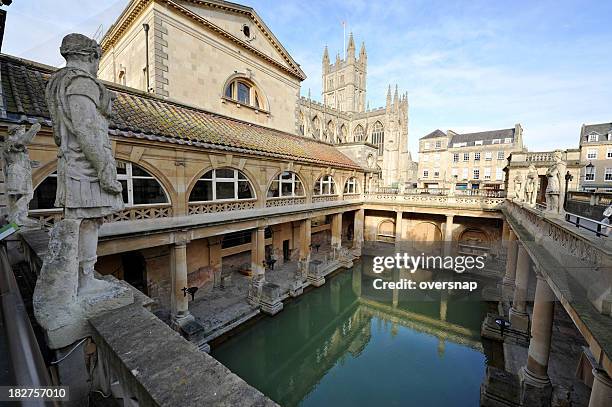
(555, 187)
(452, 185)
(518, 186)
(87, 189)
(531, 185)
(18, 173)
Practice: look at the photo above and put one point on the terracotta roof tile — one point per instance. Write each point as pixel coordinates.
(136, 114)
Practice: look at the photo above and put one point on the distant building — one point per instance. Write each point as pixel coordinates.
(380, 136)
(473, 160)
(596, 157)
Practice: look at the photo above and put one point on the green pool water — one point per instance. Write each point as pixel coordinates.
(346, 344)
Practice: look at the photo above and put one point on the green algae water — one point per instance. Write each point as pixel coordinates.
(346, 344)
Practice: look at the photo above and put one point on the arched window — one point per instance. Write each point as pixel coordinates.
(301, 123)
(378, 136)
(358, 133)
(386, 231)
(221, 184)
(325, 186)
(330, 132)
(316, 126)
(287, 184)
(244, 92)
(342, 137)
(351, 186)
(139, 188)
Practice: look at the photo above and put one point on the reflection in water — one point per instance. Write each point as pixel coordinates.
(346, 344)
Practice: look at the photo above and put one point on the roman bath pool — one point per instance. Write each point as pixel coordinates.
(346, 344)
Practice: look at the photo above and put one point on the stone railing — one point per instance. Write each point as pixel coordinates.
(493, 193)
(585, 257)
(48, 217)
(456, 201)
(539, 157)
(213, 207)
(324, 198)
(593, 198)
(272, 202)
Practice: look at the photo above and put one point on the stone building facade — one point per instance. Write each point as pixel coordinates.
(596, 157)
(345, 119)
(470, 160)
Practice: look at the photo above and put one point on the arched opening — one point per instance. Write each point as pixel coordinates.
(386, 231)
(329, 133)
(245, 92)
(325, 185)
(342, 136)
(222, 184)
(351, 186)
(140, 188)
(474, 242)
(285, 185)
(358, 133)
(316, 127)
(378, 136)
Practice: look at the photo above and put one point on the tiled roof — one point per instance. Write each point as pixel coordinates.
(434, 134)
(137, 114)
(485, 136)
(601, 128)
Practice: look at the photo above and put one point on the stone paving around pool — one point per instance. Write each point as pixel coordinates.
(226, 307)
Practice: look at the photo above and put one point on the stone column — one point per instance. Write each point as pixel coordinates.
(336, 231)
(536, 386)
(179, 301)
(358, 226)
(519, 318)
(601, 392)
(277, 244)
(505, 233)
(448, 235)
(215, 259)
(399, 216)
(258, 254)
(509, 277)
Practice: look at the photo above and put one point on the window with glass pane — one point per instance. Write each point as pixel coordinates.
(325, 186)
(44, 194)
(221, 184)
(243, 93)
(286, 184)
(351, 186)
(378, 136)
(138, 188)
(358, 133)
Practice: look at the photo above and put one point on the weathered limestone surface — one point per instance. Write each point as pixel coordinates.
(164, 369)
(67, 292)
(18, 173)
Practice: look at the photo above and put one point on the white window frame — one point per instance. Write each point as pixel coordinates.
(436, 173)
(293, 182)
(476, 173)
(465, 174)
(591, 154)
(609, 153)
(234, 179)
(466, 156)
(426, 173)
(608, 174)
(590, 176)
(488, 155)
(477, 156)
(487, 173)
(455, 157)
(496, 141)
(499, 174)
(438, 143)
(593, 137)
(455, 172)
(501, 155)
(508, 140)
(129, 178)
(351, 186)
(329, 181)
(478, 143)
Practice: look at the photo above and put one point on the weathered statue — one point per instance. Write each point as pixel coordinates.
(67, 291)
(518, 186)
(18, 173)
(531, 185)
(555, 188)
(452, 185)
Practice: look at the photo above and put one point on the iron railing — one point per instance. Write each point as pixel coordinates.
(599, 228)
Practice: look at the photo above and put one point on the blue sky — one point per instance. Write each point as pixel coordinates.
(467, 66)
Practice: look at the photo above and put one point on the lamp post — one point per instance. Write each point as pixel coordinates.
(568, 177)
